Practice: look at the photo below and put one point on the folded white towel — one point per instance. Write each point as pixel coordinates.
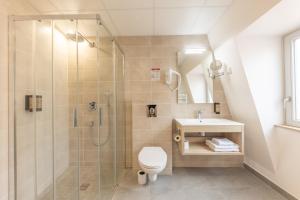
(213, 145)
(222, 141)
(225, 150)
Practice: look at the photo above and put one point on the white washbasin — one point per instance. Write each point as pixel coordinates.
(206, 122)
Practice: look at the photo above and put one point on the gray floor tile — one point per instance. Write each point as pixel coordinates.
(198, 184)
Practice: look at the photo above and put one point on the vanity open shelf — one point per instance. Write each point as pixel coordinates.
(200, 148)
(210, 128)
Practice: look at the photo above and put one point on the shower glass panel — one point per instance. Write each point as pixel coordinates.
(120, 103)
(33, 123)
(65, 100)
(107, 112)
(69, 127)
(44, 109)
(89, 110)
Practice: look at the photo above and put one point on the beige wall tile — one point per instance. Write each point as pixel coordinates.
(134, 41)
(140, 87)
(164, 110)
(138, 69)
(162, 97)
(141, 54)
(139, 110)
(161, 123)
(164, 52)
(142, 135)
(139, 98)
(137, 51)
(167, 41)
(141, 122)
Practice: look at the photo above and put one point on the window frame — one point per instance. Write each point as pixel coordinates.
(290, 89)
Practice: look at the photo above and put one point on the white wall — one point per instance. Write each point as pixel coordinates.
(255, 92)
(262, 62)
(237, 18)
(287, 173)
(241, 104)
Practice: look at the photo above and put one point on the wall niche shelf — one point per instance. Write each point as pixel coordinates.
(212, 128)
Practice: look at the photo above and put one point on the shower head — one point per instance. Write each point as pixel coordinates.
(80, 38)
(72, 36)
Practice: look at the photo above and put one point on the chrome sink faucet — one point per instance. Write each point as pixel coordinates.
(199, 115)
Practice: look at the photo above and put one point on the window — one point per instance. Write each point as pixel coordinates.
(292, 76)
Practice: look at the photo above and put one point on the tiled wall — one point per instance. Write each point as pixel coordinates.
(143, 53)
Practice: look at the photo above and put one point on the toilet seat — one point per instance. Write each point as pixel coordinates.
(152, 157)
(149, 167)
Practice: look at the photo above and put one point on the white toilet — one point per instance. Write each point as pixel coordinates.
(152, 160)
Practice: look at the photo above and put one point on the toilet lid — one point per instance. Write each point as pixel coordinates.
(152, 157)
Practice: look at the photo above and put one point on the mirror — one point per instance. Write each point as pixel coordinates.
(196, 84)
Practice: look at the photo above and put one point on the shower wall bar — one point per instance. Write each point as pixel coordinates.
(67, 17)
(54, 17)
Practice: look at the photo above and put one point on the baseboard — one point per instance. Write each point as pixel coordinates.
(270, 183)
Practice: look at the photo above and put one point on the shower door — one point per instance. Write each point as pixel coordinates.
(45, 143)
(66, 100)
(96, 111)
(120, 110)
(107, 112)
(33, 126)
(91, 112)
(64, 109)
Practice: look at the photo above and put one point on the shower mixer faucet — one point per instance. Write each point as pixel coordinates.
(92, 106)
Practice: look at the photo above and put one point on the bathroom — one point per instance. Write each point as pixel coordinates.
(112, 99)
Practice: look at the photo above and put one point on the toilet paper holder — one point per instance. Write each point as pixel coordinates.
(177, 138)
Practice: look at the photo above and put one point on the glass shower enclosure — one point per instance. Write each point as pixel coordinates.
(67, 108)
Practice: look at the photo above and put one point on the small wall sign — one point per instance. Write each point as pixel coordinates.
(155, 74)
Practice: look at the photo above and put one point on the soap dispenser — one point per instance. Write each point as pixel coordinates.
(152, 111)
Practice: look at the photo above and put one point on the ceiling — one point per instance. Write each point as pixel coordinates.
(144, 17)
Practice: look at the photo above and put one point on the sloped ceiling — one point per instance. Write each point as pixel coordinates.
(144, 17)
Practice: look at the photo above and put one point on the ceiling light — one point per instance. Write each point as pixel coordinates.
(195, 51)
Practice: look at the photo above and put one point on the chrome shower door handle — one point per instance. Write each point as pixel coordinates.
(100, 116)
(286, 100)
(75, 121)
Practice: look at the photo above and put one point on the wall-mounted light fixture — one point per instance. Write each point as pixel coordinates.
(217, 68)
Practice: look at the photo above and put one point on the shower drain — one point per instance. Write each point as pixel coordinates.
(84, 186)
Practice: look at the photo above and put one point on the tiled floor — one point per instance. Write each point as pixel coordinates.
(198, 184)
(67, 185)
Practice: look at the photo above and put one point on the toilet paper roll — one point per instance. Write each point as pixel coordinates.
(177, 138)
